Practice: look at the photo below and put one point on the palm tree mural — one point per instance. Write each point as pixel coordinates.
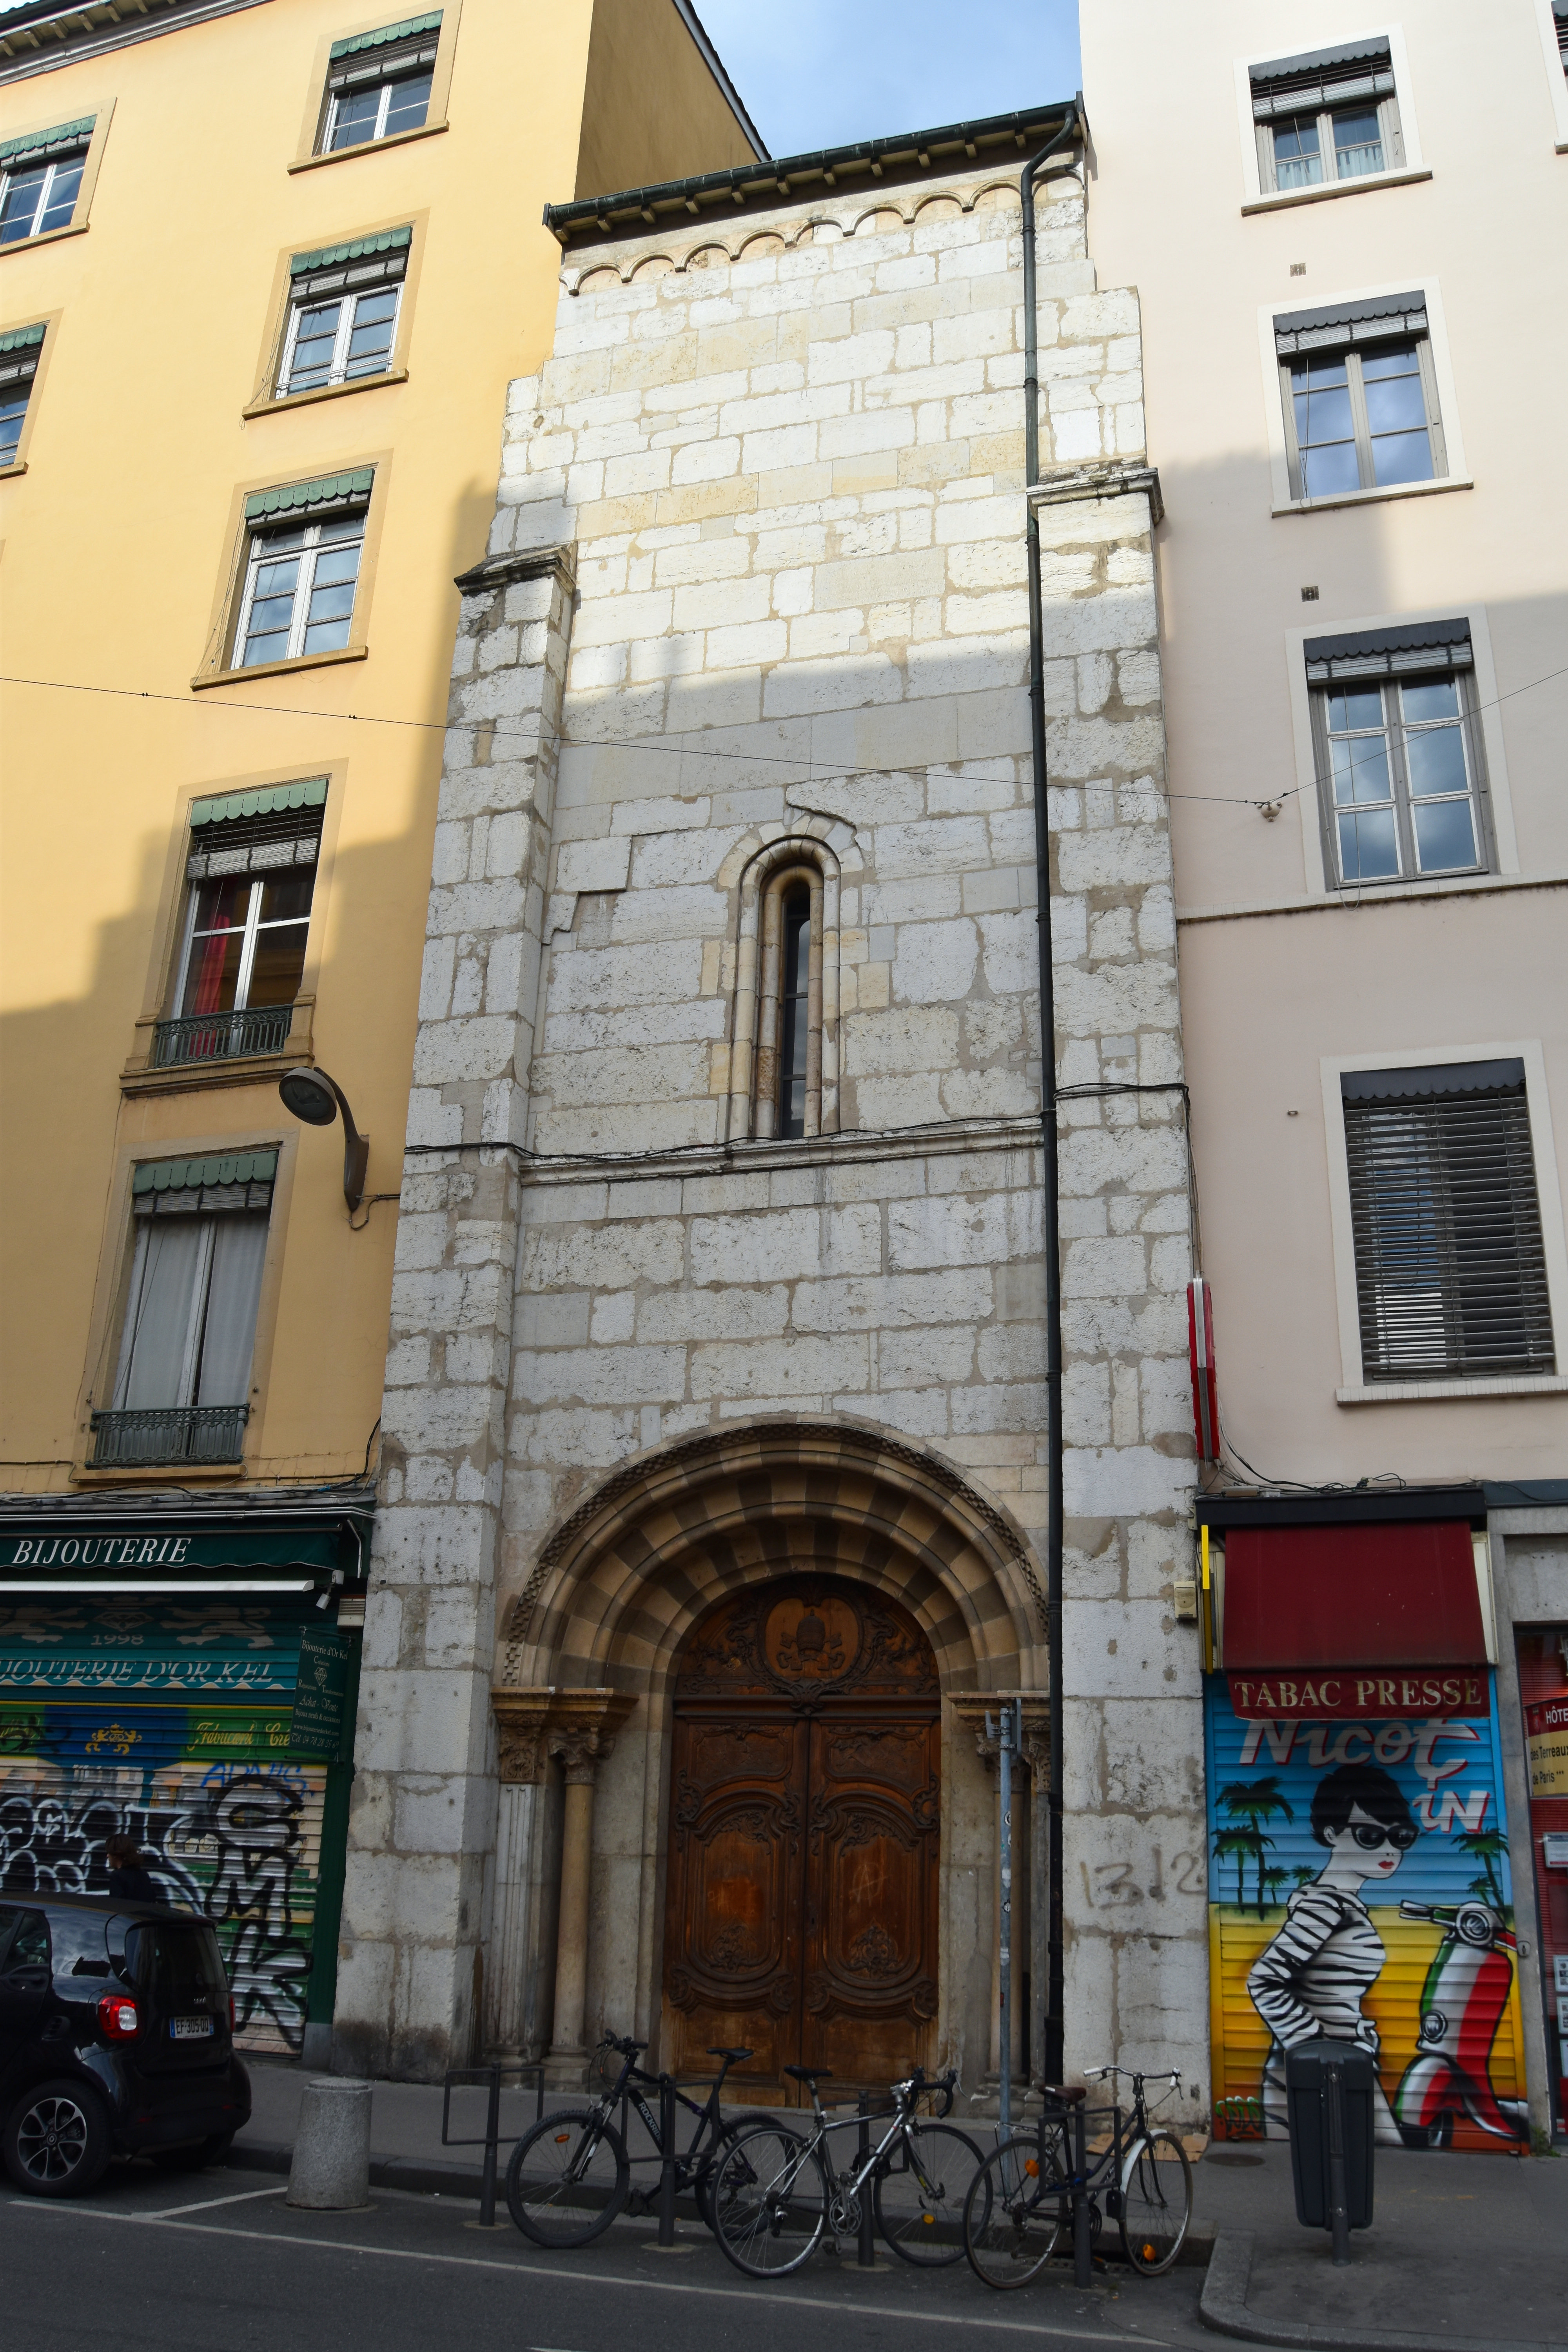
(1238, 1846)
(1488, 1847)
(1272, 1881)
(1253, 1802)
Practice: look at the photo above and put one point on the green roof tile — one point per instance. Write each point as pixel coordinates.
(390, 240)
(226, 806)
(37, 142)
(302, 498)
(186, 1175)
(403, 31)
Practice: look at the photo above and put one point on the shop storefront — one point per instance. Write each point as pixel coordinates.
(1542, 1653)
(184, 1674)
(1359, 1867)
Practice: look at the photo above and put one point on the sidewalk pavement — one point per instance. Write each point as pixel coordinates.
(1467, 2253)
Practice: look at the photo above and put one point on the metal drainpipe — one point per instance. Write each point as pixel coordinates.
(1050, 1206)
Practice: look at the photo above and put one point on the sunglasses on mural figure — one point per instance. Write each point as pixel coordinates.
(1370, 1835)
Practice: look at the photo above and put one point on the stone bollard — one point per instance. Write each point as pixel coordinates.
(331, 2153)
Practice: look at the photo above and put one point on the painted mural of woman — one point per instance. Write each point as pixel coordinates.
(1314, 1976)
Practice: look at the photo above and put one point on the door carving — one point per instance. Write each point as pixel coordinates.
(801, 1912)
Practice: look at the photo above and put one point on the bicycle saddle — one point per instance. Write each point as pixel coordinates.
(1065, 2095)
(809, 2074)
(735, 2056)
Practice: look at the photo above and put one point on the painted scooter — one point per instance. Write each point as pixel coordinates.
(1462, 2002)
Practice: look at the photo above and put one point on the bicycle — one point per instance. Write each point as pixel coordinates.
(1021, 2199)
(775, 2193)
(569, 2177)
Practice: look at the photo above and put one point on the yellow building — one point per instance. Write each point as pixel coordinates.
(266, 268)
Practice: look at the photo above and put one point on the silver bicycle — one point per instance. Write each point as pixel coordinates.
(775, 2192)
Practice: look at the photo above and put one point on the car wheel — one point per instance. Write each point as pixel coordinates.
(56, 2140)
(195, 2156)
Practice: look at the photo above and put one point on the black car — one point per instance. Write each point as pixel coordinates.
(116, 2039)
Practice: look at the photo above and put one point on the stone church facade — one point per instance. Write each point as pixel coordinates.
(714, 1487)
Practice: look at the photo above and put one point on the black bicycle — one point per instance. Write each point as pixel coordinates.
(571, 2175)
(1022, 2198)
(775, 2192)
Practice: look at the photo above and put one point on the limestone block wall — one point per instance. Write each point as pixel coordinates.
(789, 465)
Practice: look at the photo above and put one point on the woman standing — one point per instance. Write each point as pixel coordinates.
(1314, 1976)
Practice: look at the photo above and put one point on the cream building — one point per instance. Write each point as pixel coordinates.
(715, 1508)
(1363, 623)
(266, 269)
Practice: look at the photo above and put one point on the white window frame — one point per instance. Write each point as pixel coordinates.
(1355, 1389)
(253, 928)
(299, 619)
(19, 374)
(195, 1328)
(77, 157)
(402, 66)
(1458, 477)
(1395, 732)
(349, 298)
(1488, 720)
(1556, 78)
(1256, 197)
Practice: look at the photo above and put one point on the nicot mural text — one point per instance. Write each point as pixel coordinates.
(1360, 1888)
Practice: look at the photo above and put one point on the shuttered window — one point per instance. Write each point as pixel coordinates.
(1450, 1268)
(1360, 392)
(343, 312)
(378, 84)
(1329, 115)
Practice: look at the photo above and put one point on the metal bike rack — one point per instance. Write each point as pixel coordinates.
(465, 2078)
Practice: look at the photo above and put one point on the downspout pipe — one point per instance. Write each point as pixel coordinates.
(1053, 2040)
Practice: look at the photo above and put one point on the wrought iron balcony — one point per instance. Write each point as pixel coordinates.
(222, 1036)
(174, 1433)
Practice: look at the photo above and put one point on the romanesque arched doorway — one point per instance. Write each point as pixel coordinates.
(802, 1895)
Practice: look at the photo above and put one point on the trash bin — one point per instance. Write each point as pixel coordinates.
(1329, 2089)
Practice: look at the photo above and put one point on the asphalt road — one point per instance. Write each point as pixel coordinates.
(212, 2263)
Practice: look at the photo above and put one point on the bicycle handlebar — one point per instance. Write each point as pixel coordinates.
(916, 2084)
(1097, 2074)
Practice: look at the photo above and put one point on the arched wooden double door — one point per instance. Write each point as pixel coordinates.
(801, 1913)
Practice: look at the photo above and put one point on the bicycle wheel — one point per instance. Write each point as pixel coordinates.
(567, 2178)
(1013, 2216)
(1156, 2202)
(703, 2188)
(921, 2194)
(769, 2200)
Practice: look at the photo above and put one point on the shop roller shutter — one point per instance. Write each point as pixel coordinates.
(233, 1820)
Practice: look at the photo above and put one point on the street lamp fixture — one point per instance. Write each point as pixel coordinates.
(316, 1099)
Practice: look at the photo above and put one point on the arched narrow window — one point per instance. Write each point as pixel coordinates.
(787, 1081)
(783, 1046)
(795, 1009)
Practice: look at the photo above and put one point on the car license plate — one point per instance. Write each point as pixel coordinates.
(191, 2029)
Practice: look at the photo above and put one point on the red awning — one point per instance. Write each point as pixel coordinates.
(1403, 1594)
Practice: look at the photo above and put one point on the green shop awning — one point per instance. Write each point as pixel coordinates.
(361, 248)
(185, 1175)
(404, 31)
(224, 807)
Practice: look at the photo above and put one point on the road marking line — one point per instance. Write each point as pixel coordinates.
(588, 2278)
(173, 2212)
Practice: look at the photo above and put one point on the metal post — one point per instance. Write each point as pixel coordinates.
(666, 2162)
(866, 2257)
(1339, 2194)
(1008, 1734)
(1082, 2248)
(492, 2135)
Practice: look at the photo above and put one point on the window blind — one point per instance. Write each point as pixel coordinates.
(1450, 1266)
(1366, 321)
(1321, 78)
(349, 269)
(1389, 653)
(251, 833)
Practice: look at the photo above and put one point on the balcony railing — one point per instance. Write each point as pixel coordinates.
(172, 1433)
(222, 1036)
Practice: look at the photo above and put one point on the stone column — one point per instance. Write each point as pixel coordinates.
(581, 1731)
(424, 1820)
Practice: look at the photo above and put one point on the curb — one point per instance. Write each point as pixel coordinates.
(385, 2171)
(1222, 2306)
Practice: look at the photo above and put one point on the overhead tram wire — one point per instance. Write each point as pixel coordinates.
(676, 749)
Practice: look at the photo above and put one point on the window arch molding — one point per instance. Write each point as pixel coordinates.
(798, 859)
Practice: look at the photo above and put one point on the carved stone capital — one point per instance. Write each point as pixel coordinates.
(972, 1707)
(578, 1726)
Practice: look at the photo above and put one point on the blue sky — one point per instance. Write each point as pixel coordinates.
(821, 73)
